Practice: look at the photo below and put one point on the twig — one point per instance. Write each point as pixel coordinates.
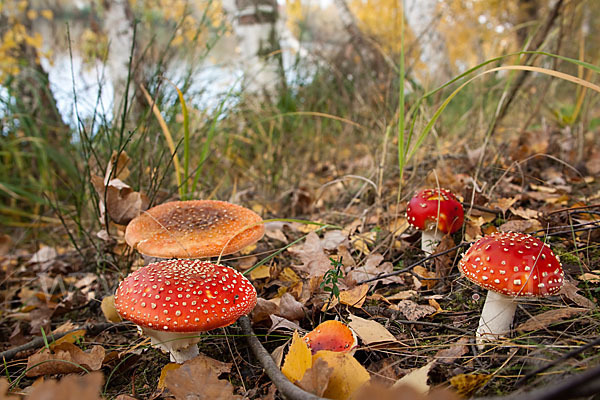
(283, 384)
(575, 386)
(564, 357)
(91, 329)
(393, 314)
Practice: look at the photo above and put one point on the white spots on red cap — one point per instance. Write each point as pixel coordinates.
(431, 206)
(527, 275)
(205, 308)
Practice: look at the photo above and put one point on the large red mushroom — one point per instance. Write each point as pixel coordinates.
(173, 301)
(510, 265)
(435, 212)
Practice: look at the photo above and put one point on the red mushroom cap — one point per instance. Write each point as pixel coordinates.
(513, 264)
(194, 229)
(423, 210)
(331, 335)
(184, 296)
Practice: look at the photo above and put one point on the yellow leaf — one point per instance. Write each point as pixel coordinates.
(417, 379)
(347, 376)
(261, 272)
(69, 338)
(248, 249)
(109, 310)
(163, 374)
(466, 384)
(354, 297)
(425, 273)
(297, 360)
(31, 14)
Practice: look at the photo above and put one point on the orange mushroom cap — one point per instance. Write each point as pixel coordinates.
(331, 335)
(184, 296)
(194, 229)
(513, 264)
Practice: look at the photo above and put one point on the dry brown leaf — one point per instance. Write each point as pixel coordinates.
(316, 378)
(361, 241)
(504, 203)
(403, 295)
(398, 226)
(525, 213)
(544, 319)
(450, 354)
(260, 272)
(593, 278)
(4, 394)
(416, 379)
(70, 337)
(373, 266)
(473, 229)
(281, 324)
(314, 260)
(122, 202)
(297, 360)
(290, 308)
(354, 297)
(347, 375)
(163, 373)
(443, 263)
(413, 311)
(198, 380)
(108, 309)
(65, 358)
(427, 278)
(274, 230)
(570, 291)
(374, 390)
(5, 245)
(370, 331)
(263, 310)
(71, 387)
(520, 225)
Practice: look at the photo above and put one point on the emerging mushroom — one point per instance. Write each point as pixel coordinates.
(194, 229)
(435, 212)
(509, 265)
(172, 301)
(332, 335)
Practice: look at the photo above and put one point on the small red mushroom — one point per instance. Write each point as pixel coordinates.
(332, 335)
(509, 265)
(172, 301)
(435, 212)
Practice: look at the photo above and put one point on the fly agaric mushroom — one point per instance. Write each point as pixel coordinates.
(509, 265)
(172, 301)
(194, 229)
(435, 212)
(332, 335)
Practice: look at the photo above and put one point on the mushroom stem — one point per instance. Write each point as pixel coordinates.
(496, 317)
(430, 240)
(181, 346)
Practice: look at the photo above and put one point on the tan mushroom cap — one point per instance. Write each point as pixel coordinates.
(194, 229)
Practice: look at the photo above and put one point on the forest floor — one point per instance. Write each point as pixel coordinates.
(428, 309)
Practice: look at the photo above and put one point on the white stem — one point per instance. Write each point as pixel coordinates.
(430, 240)
(496, 317)
(182, 346)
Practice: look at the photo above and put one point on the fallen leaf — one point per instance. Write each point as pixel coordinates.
(450, 354)
(465, 384)
(398, 226)
(593, 278)
(413, 311)
(416, 379)
(316, 378)
(4, 393)
(5, 246)
(108, 309)
(290, 308)
(544, 319)
(354, 297)
(263, 310)
(403, 295)
(297, 360)
(260, 272)
(163, 373)
(44, 254)
(347, 376)
(525, 213)
(373, 266)
(370, 331)
(362, 241)
(71, 387)
(120, 201)
(332, 239)
(570, 291)
(520, 225)
(64, 359)
(443, 263)
(427, 278)
(504, 203)
(375, 390)
(314, 260)
(274, 230)
(198, 380)
(70, 337)
(281, 324)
